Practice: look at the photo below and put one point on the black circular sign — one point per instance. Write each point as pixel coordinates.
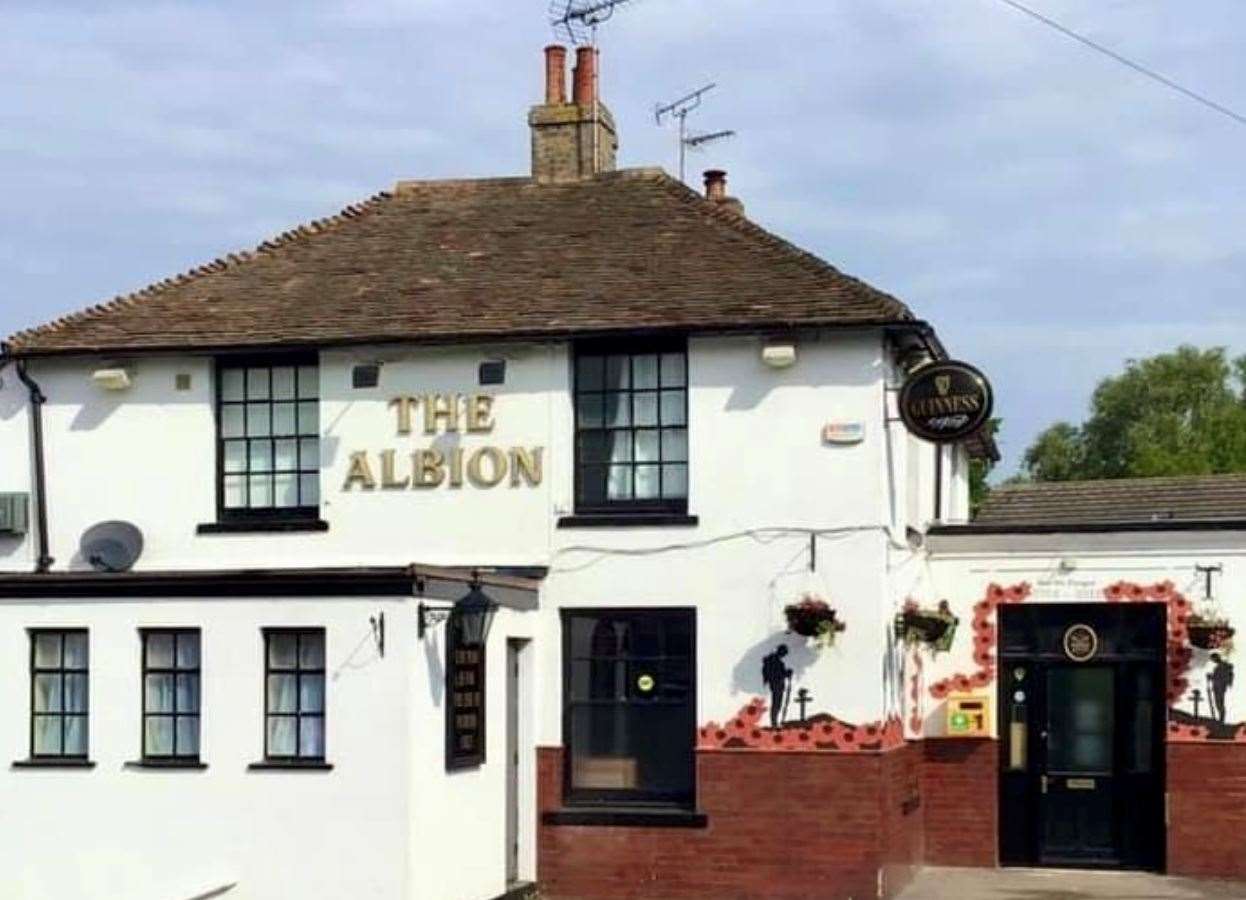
(946, 402)
(1081, 643)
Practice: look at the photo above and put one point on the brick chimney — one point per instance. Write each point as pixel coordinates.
(574, 140)
(716, 191)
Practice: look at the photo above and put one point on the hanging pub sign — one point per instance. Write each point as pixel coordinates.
(946, 402)
(465, 702)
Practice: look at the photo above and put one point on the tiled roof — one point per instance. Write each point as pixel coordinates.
(453, 260)
(1120, 501)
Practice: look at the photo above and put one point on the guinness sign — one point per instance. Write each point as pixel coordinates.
(946, 402)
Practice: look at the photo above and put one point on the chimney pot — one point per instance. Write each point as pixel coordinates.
(585, 75)
(715, 185)
(555, 75)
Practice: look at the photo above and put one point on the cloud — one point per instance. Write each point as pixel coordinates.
(1027, 196)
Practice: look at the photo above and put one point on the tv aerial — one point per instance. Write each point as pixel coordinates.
(680, 109)
(576, 21)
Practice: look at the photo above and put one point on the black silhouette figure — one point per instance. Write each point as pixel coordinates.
(1219, 680)
(778, 678)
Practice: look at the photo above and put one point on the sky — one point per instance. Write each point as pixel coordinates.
(1051, 212)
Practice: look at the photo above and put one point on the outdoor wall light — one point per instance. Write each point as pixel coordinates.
(779, 354)
(472, 616)
(115, 379)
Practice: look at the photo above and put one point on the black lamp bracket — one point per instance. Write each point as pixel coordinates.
(1208, 572)
(378, 631)
(431, 616)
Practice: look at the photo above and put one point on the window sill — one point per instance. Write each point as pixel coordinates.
(623, 817)
(290, 765)
(166, 764)
(53, 763)
(628, 520)
(260, 526)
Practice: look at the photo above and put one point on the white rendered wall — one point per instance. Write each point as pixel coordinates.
(15, 463)
(1076, 568)
(762, 482)
(383, 824)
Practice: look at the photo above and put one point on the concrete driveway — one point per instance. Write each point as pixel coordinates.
(1058, 884)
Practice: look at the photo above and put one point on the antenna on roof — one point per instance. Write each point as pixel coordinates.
(679, 109)
(576, 21)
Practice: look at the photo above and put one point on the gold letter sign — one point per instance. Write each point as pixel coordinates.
(424, 468)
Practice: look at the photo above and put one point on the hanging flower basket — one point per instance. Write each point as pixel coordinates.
(935, 628)
(1208, 633)
(813, 618)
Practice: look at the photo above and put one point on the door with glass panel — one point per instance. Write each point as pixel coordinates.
(1082, 740)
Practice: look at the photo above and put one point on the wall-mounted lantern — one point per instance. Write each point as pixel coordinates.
(471, 617)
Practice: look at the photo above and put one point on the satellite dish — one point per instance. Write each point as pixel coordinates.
(112, 546)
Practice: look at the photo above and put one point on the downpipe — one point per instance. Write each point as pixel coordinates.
(43, 561)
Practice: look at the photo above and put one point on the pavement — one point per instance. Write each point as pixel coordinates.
(934, 883)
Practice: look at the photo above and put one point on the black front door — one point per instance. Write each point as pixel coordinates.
(1082, 729)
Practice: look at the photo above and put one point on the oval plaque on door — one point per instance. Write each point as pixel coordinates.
(1081, 643)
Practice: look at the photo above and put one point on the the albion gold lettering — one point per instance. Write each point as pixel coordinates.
(430, 468)
(359, 473)
(483, 467)
(476, 467)
(526, 465)
(456, 467)
(439, 407)
(405, 405)
(479, 413)
(389, 479)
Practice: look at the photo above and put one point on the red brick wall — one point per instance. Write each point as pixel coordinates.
(960, 801)
(903, 835)
(1207, 810)
(789, 826)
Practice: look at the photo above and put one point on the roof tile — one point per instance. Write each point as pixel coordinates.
(502, 257)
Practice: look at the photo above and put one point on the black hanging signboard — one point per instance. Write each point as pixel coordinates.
(946, 402)
(465, 701)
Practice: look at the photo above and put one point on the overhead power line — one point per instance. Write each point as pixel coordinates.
(1125, 61)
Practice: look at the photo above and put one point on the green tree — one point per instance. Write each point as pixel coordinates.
(979, 471)
(1179, 413)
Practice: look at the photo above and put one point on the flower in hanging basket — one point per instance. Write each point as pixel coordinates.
(935, 628)
(1209, 632)
(814, 618)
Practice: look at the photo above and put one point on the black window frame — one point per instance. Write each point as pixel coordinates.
(627, 798)
(62, 714)
(298, 715)
(632, 347)
(175, 670)
(266, 514)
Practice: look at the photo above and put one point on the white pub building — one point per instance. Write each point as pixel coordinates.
(563, 532)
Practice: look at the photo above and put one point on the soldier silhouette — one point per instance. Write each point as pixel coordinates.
(777, 677)
(1219, 680)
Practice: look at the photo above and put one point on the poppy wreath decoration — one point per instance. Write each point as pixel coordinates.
(934, 628)
(813, 618)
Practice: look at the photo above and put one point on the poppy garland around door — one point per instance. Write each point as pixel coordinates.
(946, 402)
